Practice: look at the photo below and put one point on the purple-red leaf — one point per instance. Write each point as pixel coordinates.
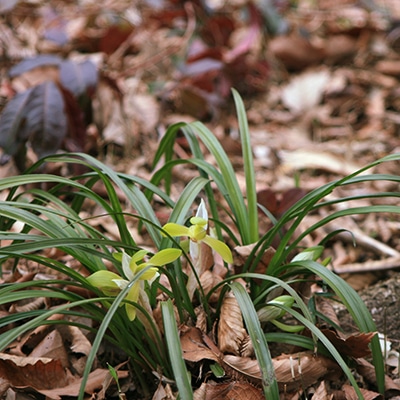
(13, 131)
(78, 78)
(34, 62)
(45, 119)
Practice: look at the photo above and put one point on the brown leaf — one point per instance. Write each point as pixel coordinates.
(230, 390)
(193, 346)
(301, 370)
(52, 347)
(79, 347)
(231, 331)
(356, 346)
(367, 370)
(351, 394)
(34, 372)
(242, 368)
(208, 281)
(325, 307)
(241, 253)
(94, 383)
(295, 51)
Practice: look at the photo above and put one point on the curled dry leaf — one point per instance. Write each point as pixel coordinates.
(242, 368)
(231, 331)
(230, 390)
(325, 307)
(208, 281)
(201, 318)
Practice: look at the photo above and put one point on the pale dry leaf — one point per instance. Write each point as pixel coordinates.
(52, 346)
(231, 331)
(351, 394)
(315, 159)
(300, 370)
(34, 77)
(143, 110)
(27, 305)
(163, 392)
(321, 393)
(242, 368)
(305, 91)
(32, 339)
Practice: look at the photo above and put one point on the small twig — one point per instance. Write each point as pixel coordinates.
(373, 265)
(360, 238)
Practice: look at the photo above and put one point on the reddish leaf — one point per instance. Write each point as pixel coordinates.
(13, 132)
(114, 36)
(78, 78)
(46, 122)
(278, 204)
(217, 30)
(76, 138)
(34, 62)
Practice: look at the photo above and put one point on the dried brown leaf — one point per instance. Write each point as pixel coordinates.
(351, 394)
(356, 346)
(296, 371)
(94, 383)
(241, 253)
(242, 368)
(230, 390)
(33, 338)
(231, 331)
(208, 281)
(193, 346)
(52, 346)
(79, 347)
(37, 373)
(325, 307)
(321, 393)
(367, 370)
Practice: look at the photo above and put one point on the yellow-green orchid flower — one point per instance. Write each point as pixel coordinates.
(197, 233)
(111, 283)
